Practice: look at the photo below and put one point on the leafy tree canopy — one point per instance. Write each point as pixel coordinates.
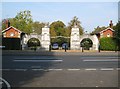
(117, 30)
(22, 21)
(76, 21)
(37, 27)
(57, 28)
(117, 34)
(98, 29)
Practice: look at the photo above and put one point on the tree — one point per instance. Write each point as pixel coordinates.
(58, 28)
(37, 27)
(76, 21)
(98, 29)
(67, 32)
(117, 30)
(3, 24)
(22, 21)
(117, 34)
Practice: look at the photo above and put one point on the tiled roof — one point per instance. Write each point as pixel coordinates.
(13, 28)
(98, 32)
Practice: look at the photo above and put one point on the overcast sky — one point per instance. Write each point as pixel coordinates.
(91, 14)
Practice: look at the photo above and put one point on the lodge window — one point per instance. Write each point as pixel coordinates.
(11, 34)
(108, 35)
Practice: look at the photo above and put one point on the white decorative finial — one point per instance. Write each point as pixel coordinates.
(46, 25)
(75, 24)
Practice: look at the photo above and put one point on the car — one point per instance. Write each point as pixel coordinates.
(2, 47)
(55, 46)
(63, 46)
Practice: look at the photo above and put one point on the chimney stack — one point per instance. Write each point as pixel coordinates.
(7, 22)
(111, 24)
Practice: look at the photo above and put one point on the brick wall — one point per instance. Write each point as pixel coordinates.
(106, 33)
(12, 33)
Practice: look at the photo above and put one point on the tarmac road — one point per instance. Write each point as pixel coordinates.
(60, 70)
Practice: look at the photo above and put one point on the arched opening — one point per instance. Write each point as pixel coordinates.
(86, 43)
(33, 43)
(60, 41)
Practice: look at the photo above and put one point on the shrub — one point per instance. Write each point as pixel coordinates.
(108, 43)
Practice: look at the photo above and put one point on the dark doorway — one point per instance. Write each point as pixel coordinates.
(11, 43)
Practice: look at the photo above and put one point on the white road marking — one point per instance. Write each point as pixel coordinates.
(90, 69)
(106, 69)
(118, 68)
(38, 69)
(73, 69)
(108, 60)
(37, 60)
(55, 69)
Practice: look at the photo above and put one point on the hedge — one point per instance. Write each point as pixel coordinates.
(108, 44)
